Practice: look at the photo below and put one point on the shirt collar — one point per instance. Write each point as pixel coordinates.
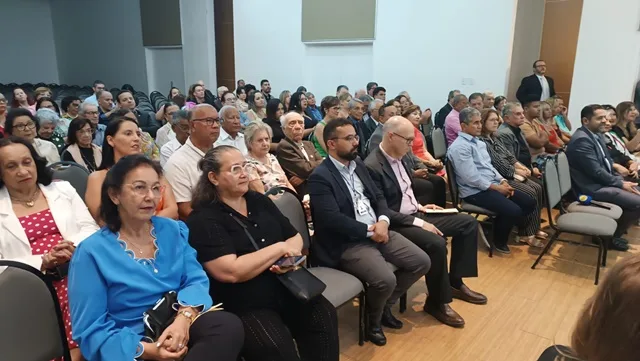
(389, 158)
(224, 135)
(196, 149)
(343, 168)
(467, 137)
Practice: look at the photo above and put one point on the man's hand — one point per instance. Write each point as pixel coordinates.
(421, 173)
(630, 187)
(621, 170)
(431, 228)
(380, 232)
(536, 173)
(633, 166)
(426, 114)
(423, 209)
(503, 188)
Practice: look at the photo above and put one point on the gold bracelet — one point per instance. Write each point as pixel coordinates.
(188, 314)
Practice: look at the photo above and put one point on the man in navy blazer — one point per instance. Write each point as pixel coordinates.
(537, 85)
(351, 221)
(592, 170)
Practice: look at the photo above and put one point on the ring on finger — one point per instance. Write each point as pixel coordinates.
(181, 346)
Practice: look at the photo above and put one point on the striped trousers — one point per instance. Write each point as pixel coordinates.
(535, 191)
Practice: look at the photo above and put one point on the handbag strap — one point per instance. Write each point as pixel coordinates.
(246, 231)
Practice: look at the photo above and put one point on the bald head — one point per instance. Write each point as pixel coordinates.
(398, 136)
(397, 123)
(204, 111)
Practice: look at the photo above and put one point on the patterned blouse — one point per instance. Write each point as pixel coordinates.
(270, 174)
(501, 158)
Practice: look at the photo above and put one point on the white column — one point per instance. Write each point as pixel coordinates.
(198, 42)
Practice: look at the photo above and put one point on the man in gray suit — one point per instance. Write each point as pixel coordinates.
(592, 170)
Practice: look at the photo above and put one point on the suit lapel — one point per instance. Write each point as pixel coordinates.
(295, 147)
(386, 168)
(338, 177)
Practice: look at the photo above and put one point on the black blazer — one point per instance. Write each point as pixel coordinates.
(147, 122)
(441, 116)
(385, 179)
(589, 171)
(334, 220)
(530, 88)
(368, 127)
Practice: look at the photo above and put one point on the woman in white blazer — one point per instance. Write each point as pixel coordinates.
(41, 221)
(21, 123)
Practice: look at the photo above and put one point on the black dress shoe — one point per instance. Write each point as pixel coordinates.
(502, 248)
(466, 294)
(389, 320)
(376, 336)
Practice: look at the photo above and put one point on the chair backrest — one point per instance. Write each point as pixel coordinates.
(439, 143)
(564, 172)
(453, 185)
(290, 206)
(73, 173)
(32, 328)
(551, 184)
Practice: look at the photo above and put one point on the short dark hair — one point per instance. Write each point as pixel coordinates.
(498, 99)
(114, 181)
(47, 99)
(330, 130)
(390, 103)
(262, 82)
(475, 95)
(205, 192)
(115, 121)
(328, 102)
(122, 91)
(371, 84)
(589, 111)
(452, 93)
(18, 112)
(240, 90)
(608, 107)
(225, 94)
(45, 175)
(66, 101)
(340, 87)
(536, 62)
(76, 125)
(529, 99)
(248, 88)
(96, 82)
(301, 88)
(378, 90)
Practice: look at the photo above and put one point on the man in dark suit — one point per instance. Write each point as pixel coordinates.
(371, 123)
(536, 85)
(351, 221)
(386, 111)
(441, 115)
(592, 170)
(297, 157)
(389, 171)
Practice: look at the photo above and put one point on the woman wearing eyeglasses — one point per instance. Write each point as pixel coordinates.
(122, 138)
(41, 221)
(81, 149)
(122, 270)
(22, 123)
(419, 145)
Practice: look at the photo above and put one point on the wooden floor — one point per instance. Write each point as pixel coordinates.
(528, 310)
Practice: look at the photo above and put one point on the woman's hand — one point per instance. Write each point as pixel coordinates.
(174, 339)
(152, 352)
(60, 254)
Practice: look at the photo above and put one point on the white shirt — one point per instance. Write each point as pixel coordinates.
(226, 139)
(164, 135)
(167, 151)
(546, 92)
(47, 150)
(182, 171)
(92, 100)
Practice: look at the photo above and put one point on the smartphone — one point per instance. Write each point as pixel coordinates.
(286, 262)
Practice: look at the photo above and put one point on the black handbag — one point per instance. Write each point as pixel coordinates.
(300, 282)
(160, 316)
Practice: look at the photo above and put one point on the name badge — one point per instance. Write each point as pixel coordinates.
(361, 207)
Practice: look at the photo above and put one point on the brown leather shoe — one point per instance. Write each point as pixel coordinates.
(468, 295)
(445, 314)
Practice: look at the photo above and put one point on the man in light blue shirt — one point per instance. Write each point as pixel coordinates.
(480, 184)
(97, 86)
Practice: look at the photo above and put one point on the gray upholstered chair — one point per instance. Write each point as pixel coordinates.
(439, 143)
(73, 173)
(586, 224)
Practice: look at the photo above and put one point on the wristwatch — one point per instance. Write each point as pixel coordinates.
(188, 314)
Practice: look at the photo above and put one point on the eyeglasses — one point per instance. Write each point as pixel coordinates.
(3, 101)
(23, 127)
(409, 141)
(92, 113)
(142, 189)
(238, 169)
(349, 138)
(207, 121)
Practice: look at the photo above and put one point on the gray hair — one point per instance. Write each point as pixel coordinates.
(224, 111)
(309, 94)
(365, 98)
(507, 110)
(100, 92)
(284, 118)
(253, 129)
(458, 98)
(46, 116)
(467, 114)
(180, 115)
(373, 104)
(83, 107)
(353, 102)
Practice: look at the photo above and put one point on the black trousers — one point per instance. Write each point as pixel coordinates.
(215, 335)
(432, 190)
(463, 229)
(269, 333)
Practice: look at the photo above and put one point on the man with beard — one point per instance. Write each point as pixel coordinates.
(265, 89)
(351, 221)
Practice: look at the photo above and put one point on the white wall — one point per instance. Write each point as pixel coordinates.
(607, 64)
(199, 42)
(99, 40)
(423, 47)
(27, 53)
(165, 67)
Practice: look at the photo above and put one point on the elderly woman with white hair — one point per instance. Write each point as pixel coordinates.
(263, 167)
(24, 124)
(48, 128)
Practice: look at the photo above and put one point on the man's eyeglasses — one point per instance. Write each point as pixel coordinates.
(23, 127)
(409, 141)
(349, 138)
(92, 113)
(207, 121)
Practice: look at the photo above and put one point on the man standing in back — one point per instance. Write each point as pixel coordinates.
(98, 85)
(452, 122)
(441, 115)
(537, 85)
(265, 89)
